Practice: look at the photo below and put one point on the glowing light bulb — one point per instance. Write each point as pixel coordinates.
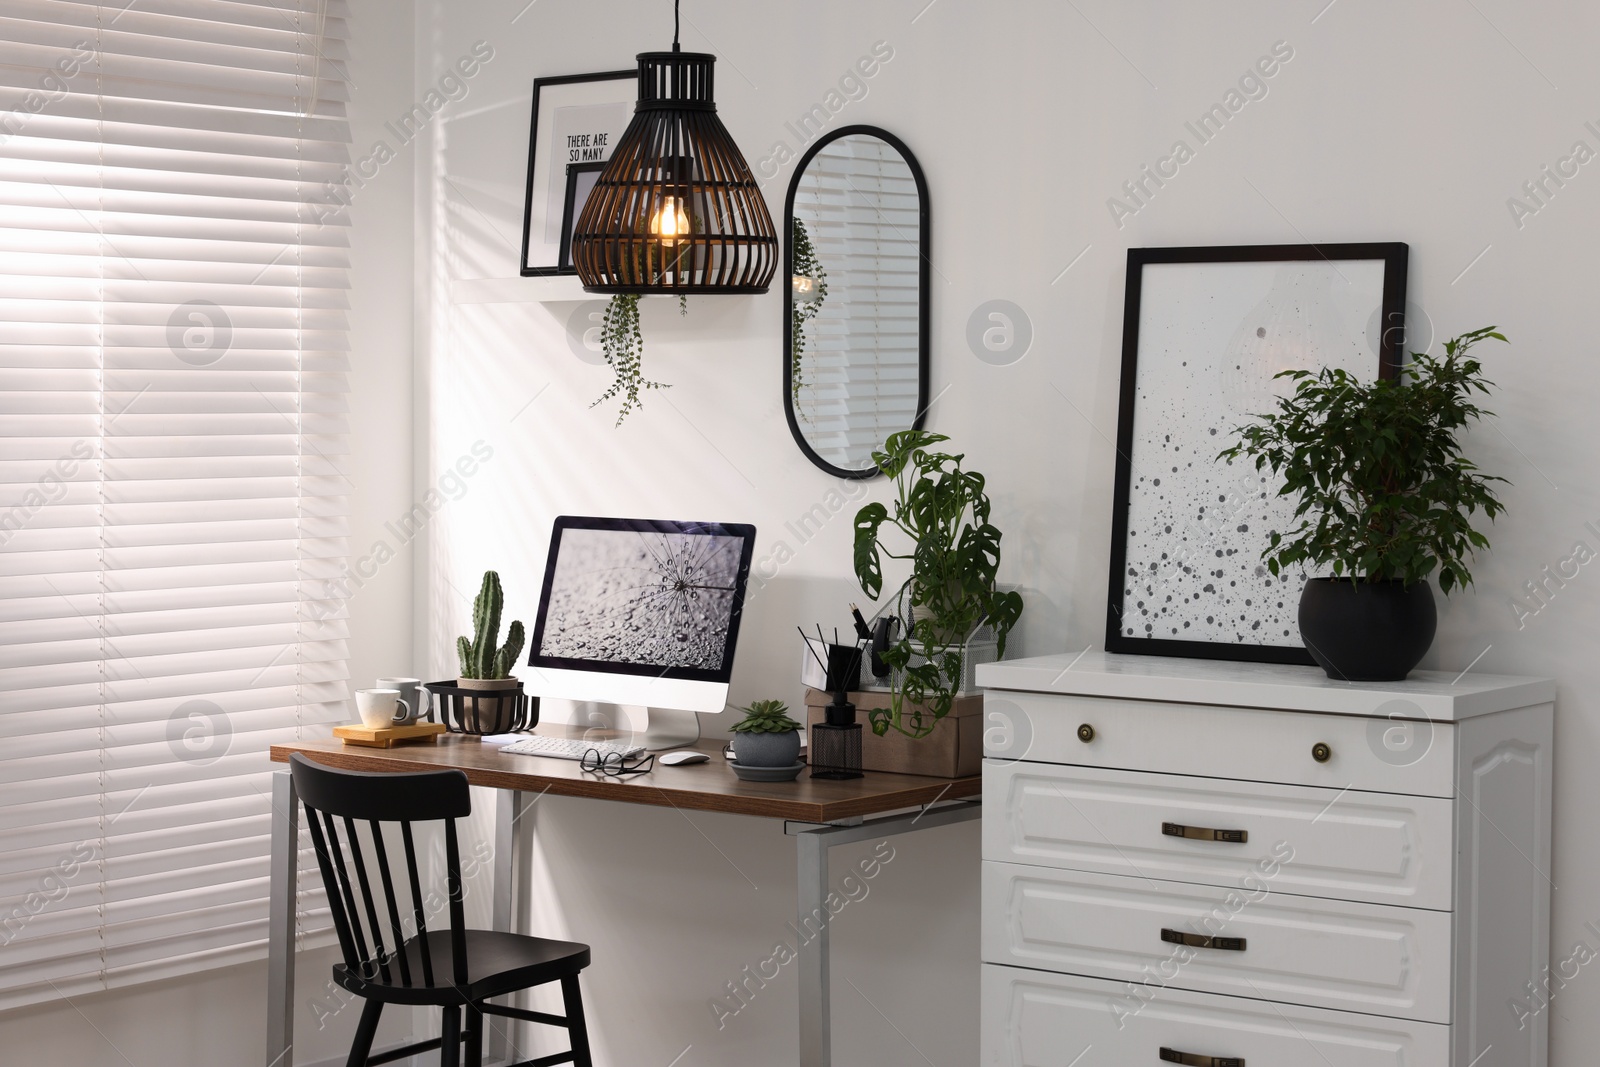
(670, 221)
(804, 287)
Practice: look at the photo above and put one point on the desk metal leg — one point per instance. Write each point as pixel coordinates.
(280, 920)
(816, 1043)
(812, 843)
(510, 808)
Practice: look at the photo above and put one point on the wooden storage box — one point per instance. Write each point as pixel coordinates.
(953, 750)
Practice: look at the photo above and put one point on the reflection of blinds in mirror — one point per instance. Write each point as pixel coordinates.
(860, 366)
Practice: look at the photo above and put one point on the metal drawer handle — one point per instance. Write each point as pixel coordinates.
(1172, 1055)
(1178, 937)
(1205, 833)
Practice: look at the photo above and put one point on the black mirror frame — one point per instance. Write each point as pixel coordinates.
(923, 317)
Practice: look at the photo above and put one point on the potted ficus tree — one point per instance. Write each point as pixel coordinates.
(485, 667)
(1385, 499)
(940, 519)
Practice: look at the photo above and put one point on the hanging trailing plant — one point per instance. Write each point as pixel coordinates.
(623, 346)
(806, 265)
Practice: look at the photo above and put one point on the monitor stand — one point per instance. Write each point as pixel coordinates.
(665, 728)
(669, 728)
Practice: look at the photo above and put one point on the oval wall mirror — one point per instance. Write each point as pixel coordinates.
(855, 311)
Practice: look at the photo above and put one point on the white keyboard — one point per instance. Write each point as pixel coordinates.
(569, 747)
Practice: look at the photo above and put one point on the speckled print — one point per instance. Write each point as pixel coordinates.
(1211, 336)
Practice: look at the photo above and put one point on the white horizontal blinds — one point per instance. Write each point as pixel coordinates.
(173, 264)
(859, 203)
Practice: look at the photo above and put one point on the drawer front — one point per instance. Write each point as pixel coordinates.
(1034, 1019)
(1377, 847)
(1249, 744)
(1157, 935)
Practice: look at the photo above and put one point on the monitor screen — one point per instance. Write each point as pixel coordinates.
(643, 597)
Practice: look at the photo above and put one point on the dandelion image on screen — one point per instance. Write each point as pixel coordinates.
(622, 596)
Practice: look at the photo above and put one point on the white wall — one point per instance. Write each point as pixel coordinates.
(1411, 122)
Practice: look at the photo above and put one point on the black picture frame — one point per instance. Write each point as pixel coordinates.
(924, 237)
(569, 213)
(1388, 357)
(549, 90)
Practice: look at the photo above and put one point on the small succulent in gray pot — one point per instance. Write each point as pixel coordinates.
(766, 736)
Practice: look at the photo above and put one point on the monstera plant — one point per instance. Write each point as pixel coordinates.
(939, 521)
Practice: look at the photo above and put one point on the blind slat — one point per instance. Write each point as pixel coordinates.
(172, 490)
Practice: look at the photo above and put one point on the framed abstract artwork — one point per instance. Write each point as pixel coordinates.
(577, 119)
(1204, 332)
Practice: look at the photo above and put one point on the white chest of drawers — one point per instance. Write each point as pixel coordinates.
(1244, 865)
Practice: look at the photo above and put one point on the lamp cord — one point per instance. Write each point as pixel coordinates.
(675, 4)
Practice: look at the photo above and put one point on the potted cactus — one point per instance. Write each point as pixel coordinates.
(485, 667)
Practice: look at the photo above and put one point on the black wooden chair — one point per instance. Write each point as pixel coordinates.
(456, 969)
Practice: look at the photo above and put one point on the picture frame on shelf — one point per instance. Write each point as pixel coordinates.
(1205, 329)
(576, 119)
(580, 183)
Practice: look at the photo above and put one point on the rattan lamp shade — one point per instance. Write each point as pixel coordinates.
(676, 209)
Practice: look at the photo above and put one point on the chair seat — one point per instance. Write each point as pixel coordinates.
(497, 963)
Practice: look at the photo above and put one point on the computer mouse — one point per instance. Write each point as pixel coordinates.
(674, 759)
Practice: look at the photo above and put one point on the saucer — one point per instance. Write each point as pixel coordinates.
(768, 774)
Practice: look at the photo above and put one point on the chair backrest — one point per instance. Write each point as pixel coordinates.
(336, 799)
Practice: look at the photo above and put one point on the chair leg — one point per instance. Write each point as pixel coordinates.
(577, 1028)
(450, 1038)
(366, 1030)
(474, 1042)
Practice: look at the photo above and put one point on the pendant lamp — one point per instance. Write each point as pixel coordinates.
(676, 209)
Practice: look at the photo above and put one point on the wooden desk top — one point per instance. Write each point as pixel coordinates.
(696, 787)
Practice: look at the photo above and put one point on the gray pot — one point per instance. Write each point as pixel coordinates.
(767, 750)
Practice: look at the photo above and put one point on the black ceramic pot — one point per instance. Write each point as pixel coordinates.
(1367, 631)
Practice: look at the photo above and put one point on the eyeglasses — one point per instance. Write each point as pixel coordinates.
(615, 765)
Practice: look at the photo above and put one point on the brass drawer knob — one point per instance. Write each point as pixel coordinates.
(1321, 752)
(1086, 733)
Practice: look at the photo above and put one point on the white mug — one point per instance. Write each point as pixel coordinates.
(382, 707)
(410, 692)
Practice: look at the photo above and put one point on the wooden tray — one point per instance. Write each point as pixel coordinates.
(388, 736)
(953, 750)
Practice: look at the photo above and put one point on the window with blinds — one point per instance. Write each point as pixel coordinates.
(173, 263)
(859, 203)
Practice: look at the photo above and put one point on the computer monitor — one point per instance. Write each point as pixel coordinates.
(642, 612)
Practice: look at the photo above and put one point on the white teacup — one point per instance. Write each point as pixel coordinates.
(410, 692)
(382, 707)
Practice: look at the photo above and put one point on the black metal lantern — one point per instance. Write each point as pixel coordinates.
(676, 209)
